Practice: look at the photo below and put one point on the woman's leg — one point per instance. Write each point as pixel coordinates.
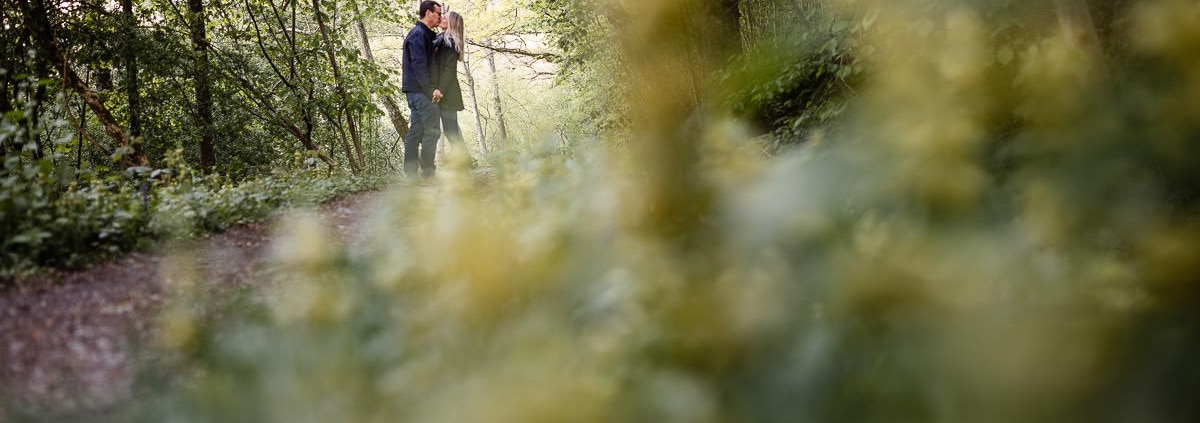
(454, 133)
(451, 129)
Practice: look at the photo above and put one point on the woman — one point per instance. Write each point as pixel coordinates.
(448, 48)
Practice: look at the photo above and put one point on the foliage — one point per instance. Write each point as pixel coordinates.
(279, 68)
(798, 74)
(81, 223)
(936, 262)
(67, 198)
(590, 64)
(806, 61)
(252, 104)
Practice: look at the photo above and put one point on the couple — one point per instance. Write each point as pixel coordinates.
(430, 83)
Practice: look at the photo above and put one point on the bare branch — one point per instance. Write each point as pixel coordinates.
(549, 57)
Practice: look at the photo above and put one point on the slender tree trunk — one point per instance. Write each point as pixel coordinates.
(82, 124)
(304, 136)
(82, 133)
(204, 118)
(390, 107)
(475, 106)
(1077, 25)
(306, 140)
(39, 96)
(5, 103)
(36, 20)
(491, 59)
(673, 201)
(728, 20)
(333, 120)
(132, 88)
(393, 113)
(40, 146)
(356, 163)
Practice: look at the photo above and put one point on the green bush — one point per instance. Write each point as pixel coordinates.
(801, 79)
(67, 226)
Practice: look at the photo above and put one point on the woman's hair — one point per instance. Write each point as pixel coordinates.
(454, 30)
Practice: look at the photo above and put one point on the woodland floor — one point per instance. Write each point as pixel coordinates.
(67, 338)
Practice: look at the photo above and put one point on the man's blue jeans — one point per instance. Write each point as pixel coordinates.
(423, 133)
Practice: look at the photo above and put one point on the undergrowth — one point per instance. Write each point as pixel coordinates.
(52, 224)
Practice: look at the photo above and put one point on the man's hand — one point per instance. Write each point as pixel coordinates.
(437, 96)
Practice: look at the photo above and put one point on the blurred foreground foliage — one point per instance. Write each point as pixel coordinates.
(992, 232)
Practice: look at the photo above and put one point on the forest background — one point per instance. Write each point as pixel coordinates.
(118, 97)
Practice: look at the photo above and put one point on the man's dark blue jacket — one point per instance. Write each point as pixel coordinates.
(417, 63)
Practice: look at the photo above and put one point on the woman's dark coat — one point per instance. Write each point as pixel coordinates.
(445, 64)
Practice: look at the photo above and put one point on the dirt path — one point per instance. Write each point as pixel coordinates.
(66, 338)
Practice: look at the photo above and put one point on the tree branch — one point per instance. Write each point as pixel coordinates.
(549, 57)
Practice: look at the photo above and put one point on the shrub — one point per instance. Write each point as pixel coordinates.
(75, 225)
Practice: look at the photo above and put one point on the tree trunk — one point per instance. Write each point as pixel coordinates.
(81, 125)
(390, 107)
(132, 88)
(204, 118)
(475, 106)
(1077, 26)
(356, 164)
(39, 96)
(393, 113)
(38, 22)
(305, 136)
(306, 140)
(30, 120)
(667, 115)
(491, 59)
(333, 120)
(5, 103)
(728, 19)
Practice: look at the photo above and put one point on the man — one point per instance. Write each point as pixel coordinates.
(420, 147)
